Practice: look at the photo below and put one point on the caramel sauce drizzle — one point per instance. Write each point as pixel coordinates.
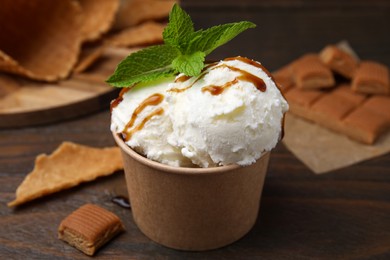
(178, 90)
(152, 100)
(282, 127)
(209, 65)
(256, 64)
(216, 90)
(251, 62)
(245, 76)
(182, 78)
(185, 78)
(128, 134)
(119, 99)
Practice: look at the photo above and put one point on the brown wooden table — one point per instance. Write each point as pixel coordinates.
(344, 214)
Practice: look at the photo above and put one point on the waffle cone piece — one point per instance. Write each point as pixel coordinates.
(98, 17)
(133, 12)
(68, 166)
(143, 34)
(40, 39)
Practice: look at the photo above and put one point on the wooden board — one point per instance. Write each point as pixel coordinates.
(26, 103)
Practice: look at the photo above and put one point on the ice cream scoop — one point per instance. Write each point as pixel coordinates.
(231, 113)
(140, 114)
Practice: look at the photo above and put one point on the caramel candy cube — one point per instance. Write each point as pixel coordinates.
(331, 109)
(365, 125)
(339, 61)
(310, 73)
(371, 78)
(379, 105)
(89, 227)
(301, 100)
(344, 90)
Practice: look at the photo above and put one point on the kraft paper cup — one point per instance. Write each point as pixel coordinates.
(192, 208)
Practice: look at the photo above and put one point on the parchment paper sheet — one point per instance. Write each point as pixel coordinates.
(323, 150)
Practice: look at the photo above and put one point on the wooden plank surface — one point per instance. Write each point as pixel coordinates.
(340, 215)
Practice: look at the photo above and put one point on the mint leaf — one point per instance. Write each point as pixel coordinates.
(179, 29)
(147, 64)
(190, 64)
(212, 38)
(184, 50)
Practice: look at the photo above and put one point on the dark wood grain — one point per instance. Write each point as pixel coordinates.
(344, 214)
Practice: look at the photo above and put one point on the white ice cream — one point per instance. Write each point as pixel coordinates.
(151, 140)
(217, 118)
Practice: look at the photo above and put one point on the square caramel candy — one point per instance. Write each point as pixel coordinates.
(344, 91)
(339, 61)
(379, 105)
(302, 97)
(371, 78)
(333, 106)
(89, 227)
(310, 73)
(301, 100)
(365, 125)
(331, 109)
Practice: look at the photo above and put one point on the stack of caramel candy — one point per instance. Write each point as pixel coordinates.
(336, 90)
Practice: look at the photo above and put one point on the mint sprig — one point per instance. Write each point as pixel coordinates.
(144, 65)
(184, 50)
(180, 28)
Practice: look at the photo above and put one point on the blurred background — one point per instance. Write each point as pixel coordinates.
(286, 29)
